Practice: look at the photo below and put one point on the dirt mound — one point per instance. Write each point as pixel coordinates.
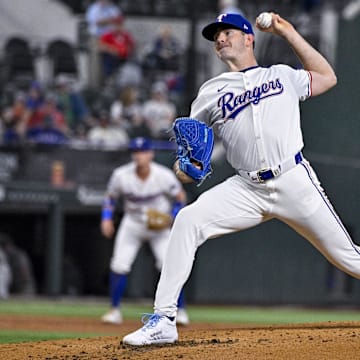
(198, 341)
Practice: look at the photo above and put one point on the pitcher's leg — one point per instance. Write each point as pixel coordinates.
(158, 243)
(328, 234)
(307, 209)
(178, 262)
(223, 209)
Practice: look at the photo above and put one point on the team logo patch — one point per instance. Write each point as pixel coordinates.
(221, 17)
(231, 104)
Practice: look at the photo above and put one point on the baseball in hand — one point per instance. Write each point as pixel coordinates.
(264, 20)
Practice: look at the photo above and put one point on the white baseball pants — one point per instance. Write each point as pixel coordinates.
(295, 197)
(130, 236)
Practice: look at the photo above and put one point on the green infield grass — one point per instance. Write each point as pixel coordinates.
(197, 313)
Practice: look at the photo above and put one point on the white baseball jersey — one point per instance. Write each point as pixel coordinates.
(255, 113)
(158, 191)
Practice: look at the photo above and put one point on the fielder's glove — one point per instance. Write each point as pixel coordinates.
(195, 141)
(157, 220)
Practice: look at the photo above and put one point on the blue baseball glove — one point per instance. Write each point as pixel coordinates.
(195, 141)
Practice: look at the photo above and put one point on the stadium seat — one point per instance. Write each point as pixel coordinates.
(62, 58)
(18, 61)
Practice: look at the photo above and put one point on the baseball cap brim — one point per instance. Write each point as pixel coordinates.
(226, 21)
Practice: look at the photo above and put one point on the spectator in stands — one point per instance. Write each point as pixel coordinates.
(24, 113)
(52, 127)
(35, 96)
(126, 111)
(14, 119)
(165, 53)
(130, 74)
(50, 113)
(100, 17)
(106, 135)
(23, 281)
(159, 112)
(33, 102)
(46, 134)
(72, 104)
(126, 107)
(116, 47)
(229, 6)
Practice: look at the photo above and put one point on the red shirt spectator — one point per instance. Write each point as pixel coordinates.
(119, 43)
(116, 46)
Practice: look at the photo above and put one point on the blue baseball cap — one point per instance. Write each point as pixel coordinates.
(227, 21)
(140, 144)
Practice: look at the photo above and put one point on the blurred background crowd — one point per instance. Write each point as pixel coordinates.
(110, 72)
(50, 94)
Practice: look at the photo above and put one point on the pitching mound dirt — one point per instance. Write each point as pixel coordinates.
(198, 341)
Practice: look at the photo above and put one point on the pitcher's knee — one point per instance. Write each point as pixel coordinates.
(186, 217)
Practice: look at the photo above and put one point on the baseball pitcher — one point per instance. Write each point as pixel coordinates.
(255, 112)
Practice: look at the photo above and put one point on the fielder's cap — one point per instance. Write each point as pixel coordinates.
(140, 144)
(227, 21)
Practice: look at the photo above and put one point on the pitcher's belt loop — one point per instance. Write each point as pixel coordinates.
(269, 173)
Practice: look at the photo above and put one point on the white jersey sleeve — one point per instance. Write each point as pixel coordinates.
(300, 79)
(114, 186)
(200, 109)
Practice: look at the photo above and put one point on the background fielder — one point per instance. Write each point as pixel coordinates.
(143, 185)
(255, 111)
